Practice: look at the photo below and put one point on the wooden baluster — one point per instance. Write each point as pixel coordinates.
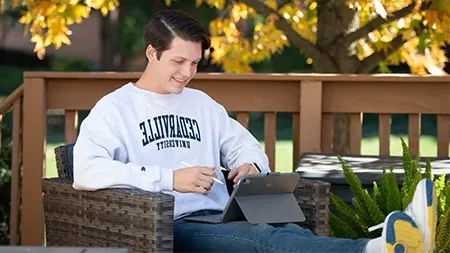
(326, 142)
(414, 133)
(71, 126)
(384, 133)
(355, 133)
(443, 128)
(270, 137)
(242, 117)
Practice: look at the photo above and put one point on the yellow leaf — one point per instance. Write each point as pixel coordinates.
(167, 2)
(60, 39)
(14, 3)
(272, 4)
(104, 11)
(198, 3)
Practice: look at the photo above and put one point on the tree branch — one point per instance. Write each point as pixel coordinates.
(378, 22)
(371, 62)
(296, 39)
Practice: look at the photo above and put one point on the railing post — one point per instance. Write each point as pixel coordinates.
(310, 116)
(34, 141)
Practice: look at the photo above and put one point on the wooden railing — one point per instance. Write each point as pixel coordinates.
(312, 99)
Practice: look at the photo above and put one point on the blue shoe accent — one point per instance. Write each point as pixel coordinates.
(399, 248)
(429, 189)
(390, 232)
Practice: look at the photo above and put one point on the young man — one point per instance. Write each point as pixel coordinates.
(143, 133)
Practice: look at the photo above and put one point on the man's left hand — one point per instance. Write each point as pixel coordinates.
(236, 173)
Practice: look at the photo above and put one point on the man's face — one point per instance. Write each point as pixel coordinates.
(176, 67)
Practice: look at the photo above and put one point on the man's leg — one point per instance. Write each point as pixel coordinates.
(246, 237)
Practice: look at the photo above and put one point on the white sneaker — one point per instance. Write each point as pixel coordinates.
(423, 210)
(400, 234)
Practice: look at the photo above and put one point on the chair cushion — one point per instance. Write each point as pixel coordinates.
(64, 161)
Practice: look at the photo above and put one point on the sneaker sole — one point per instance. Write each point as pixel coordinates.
(402, 234)
(431, 199)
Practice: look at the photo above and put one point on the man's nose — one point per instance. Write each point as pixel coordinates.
(188, 69)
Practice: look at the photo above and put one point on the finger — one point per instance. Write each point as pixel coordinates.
(205, 181)
(208, 171)
(200, 190)
(243, 171)
(233, 173)
(252, 170)
(203, 184)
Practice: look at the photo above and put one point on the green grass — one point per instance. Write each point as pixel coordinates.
(283, 155)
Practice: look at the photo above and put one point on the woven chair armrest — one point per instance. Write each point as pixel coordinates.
(313, 197)
(127, 218)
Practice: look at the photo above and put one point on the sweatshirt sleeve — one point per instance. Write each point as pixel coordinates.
(100, 156)
(237, 144)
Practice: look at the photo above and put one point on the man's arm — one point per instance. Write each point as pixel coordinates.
(97, 161)
(237, 145)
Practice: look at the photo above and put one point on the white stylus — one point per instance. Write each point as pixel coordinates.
(188, 165)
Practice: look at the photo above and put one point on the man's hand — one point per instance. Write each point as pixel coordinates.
(194, 179)
(236, 173)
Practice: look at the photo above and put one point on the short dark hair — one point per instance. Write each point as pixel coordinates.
(164, 25)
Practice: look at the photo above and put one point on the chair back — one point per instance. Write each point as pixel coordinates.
(64, 161)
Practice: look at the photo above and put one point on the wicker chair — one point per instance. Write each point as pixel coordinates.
(135, 219)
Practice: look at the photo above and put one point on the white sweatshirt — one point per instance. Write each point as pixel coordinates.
(136, 138)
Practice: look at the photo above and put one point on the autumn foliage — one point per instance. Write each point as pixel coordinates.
(48, 21)
(370, 33)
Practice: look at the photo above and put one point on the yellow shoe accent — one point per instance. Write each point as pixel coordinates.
(401, 234)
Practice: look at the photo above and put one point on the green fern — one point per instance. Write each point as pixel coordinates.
(348, 215)
(341, 229)
(440, 185)
(443, 233)
(387, 197)
(428, 173)
(383, 191)
(378, 198)
(407, 181)
(361, 195)
(393, 199)
(362, 213)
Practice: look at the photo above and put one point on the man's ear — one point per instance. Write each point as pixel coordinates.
(150, 53)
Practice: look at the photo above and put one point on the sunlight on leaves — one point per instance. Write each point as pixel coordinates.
(48, 21)
(242, 37)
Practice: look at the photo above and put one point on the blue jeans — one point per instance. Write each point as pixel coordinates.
(241, 236)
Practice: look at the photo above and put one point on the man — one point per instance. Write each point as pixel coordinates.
(143, 133)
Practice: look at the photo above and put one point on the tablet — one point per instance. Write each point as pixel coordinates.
(260, 198)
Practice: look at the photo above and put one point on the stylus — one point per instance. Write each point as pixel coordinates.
(188, 165)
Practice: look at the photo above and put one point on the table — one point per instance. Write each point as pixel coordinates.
(23, 249)
(326, 167)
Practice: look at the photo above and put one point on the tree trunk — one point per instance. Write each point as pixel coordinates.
(334, 20)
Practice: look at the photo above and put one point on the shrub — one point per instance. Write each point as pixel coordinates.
(370, 210)
(5, 190)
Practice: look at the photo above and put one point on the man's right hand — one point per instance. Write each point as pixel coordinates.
(194, 179)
